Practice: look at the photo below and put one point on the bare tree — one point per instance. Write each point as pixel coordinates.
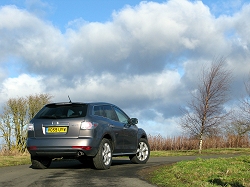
(36, 102)
(18, 109)
(6, 128)
(245, 105)
(17, 113)
(205, 112)
(240, 118)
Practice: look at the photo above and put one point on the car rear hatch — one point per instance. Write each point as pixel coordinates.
(59, 120)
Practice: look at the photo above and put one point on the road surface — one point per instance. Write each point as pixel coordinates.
(72, 173)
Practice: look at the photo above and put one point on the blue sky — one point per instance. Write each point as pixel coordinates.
(144, 56)
(60, 12)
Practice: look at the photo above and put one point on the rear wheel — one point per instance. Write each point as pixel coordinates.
(142, 154)
(40, 162)
(103, 158)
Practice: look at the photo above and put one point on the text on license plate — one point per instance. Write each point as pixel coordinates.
(56, 129)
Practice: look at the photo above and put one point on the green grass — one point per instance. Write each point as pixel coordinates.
(14, 160)
(234, 172)
(230, 172)
(25, 159)
(204, 152)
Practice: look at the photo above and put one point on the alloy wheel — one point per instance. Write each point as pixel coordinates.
(142, 151)
(106, 154)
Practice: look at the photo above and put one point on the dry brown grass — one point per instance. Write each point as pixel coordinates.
(178, 143)
(13, 152)
(159, 143)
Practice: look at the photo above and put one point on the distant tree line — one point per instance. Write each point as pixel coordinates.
(17, 112)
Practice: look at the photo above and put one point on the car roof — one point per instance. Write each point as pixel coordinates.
(77, 103)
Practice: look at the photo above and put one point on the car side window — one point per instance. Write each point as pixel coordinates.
(109, 112)
(98, 111)
(122, 117)
(105, 111)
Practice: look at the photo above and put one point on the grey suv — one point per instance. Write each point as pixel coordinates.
(83, 131)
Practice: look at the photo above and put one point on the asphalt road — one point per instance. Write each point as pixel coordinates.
(72, 173)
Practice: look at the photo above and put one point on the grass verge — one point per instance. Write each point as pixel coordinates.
(234, 172)
(204, 152)
(14, 160)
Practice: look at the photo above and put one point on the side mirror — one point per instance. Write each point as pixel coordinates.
(133, 121)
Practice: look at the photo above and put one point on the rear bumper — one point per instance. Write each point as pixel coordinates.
(55, 148)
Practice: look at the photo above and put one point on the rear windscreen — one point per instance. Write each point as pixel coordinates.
(57, 111)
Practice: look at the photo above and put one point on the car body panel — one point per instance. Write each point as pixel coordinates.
(110, 122)
(130, 138)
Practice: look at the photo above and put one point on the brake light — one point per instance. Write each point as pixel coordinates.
(88, 125)
(30, 127)
(87, 148)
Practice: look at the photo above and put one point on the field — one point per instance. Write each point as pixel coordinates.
(231, 172)
(160, 143)
(234, 172)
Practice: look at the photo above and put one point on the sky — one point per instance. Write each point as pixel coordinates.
(143, 56)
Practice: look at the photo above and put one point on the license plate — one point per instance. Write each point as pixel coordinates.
(56, 129)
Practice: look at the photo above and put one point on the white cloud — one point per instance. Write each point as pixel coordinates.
(20, 86)
(132, 60)
(156, 86)
(161, 126)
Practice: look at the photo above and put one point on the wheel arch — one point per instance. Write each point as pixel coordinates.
(109, 137)
(141, 134)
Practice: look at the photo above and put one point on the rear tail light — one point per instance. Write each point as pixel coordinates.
(87, 148)
(30, 127)
(88, 125)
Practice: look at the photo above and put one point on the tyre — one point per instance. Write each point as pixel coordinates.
(103, 158)
(40, 162)
(142, 154)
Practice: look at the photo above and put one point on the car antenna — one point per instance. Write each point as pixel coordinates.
(69, 99)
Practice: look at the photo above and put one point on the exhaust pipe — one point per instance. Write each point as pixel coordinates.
(80, 153)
